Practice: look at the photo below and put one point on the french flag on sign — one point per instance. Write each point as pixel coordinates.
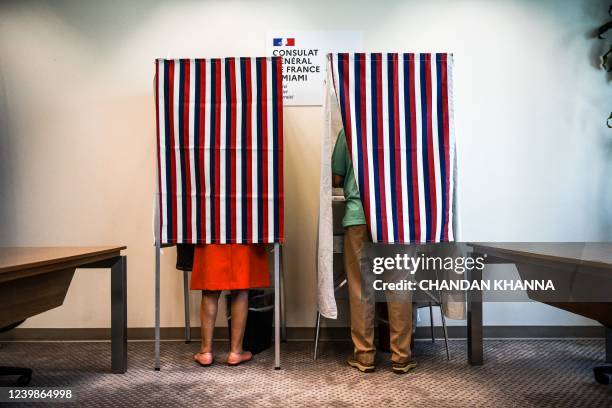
(278, 42)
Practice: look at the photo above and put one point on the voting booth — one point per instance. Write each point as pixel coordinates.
(219, 159)
(397, 113)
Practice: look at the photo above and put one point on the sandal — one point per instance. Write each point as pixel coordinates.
(203, 362)
(234, 359)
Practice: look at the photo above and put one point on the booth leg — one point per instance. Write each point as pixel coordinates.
(316, 339)
(277, 318)
(157, 302)
(283, 298)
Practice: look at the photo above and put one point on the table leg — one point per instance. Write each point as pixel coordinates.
(608, 345)
(283, 308)
(119, 315)
(474, 321)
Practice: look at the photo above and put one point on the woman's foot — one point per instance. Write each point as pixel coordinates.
(234, 359)
(203, 359)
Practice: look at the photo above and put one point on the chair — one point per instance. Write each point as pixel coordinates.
(24, 374)
(437, 301)
(318, 320)
(431, 324)
(603, 373)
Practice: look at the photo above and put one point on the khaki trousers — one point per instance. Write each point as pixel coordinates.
(362, 303)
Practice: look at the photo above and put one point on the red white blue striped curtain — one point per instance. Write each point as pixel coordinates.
(220, 150)
(397, 115)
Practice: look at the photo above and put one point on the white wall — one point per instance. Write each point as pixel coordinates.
(77, 128)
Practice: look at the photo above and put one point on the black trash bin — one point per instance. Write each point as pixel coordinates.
(258, 332)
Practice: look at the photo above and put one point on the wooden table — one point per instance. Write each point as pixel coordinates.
(36, 279)
(584, 268)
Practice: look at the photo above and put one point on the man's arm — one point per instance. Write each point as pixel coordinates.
(337, 181)
(339, 161)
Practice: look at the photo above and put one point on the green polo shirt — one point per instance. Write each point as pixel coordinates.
(342, 166)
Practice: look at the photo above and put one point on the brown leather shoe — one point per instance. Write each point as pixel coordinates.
(403, 368)
(364, 368)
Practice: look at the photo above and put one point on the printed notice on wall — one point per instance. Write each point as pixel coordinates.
(304, 54)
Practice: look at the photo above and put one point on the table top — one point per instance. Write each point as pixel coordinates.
(598, 254)
(15, 258)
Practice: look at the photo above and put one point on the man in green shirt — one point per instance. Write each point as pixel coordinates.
(344, 176)
(362, 301)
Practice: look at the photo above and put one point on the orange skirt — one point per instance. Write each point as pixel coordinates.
(229, 267)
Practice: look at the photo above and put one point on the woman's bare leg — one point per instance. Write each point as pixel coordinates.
(240, 309)
(208, 316)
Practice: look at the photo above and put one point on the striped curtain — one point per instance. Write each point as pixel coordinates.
(220, 150)
(397, 114)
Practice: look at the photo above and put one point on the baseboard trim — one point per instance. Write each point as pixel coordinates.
(299, 333)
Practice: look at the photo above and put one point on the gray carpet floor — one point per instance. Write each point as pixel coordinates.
(522, 373)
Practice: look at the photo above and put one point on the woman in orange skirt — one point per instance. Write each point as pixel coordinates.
(233, 267)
